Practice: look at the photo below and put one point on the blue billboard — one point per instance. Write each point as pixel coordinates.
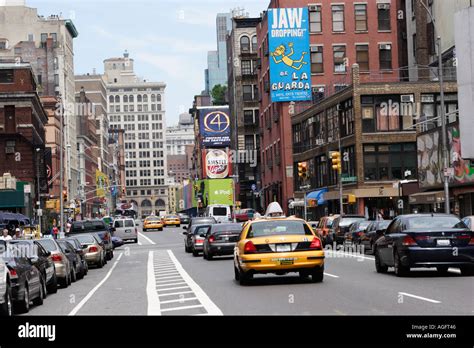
(290, 58)
(214, 126)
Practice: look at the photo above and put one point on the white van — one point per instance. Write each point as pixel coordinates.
(126, 229)
(220, 212)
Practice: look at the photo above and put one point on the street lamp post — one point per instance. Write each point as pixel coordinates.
(444, 138)
(38, 214)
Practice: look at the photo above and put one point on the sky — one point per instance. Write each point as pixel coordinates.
(168, 39)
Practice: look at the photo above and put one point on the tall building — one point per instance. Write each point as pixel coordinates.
(137, 106)
(177, 137)
(242, 77)
(216, 72)
(46, 43)
(340, 34)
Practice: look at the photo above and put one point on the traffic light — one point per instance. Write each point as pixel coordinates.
(336, 161)
(64, 195)
(303, 170)
(349, 199)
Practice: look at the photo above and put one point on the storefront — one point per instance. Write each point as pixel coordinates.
(427, 202)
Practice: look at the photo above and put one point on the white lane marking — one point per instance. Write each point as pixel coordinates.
(170, 280)
(175, 293)
(146, 238)
(419, 297)
(139, 243)
(180, 300)
(455, 270)
(331, 275)
(168, 284)
(174, 288)
(167, 273)
(170, 277)
(153, 307)
(349, 254)
(92, 292)
(181, 308)
(210, 306)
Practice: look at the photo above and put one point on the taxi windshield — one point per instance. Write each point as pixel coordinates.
(279, 227)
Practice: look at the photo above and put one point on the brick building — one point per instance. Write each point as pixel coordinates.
(341, 34)
(22, 128)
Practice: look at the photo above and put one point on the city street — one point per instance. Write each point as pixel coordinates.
(157, 277)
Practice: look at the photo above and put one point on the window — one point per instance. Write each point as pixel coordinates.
(244, 44)
(54, 36)
(248, 117)
(339, 54)
(385, 56)
(139, 98)
(249, 142)
(44, 37)
(254, 43)
(255, 92)
(362, 57)
(125, 99)
(390, 161)
(383, 12)
(3, 44)
(247, 92)
(315, 19)
(360, 17)
(347, 118)
(337, 18)
(317, 65)
(246, 67)
(6, 76)
(117, 99)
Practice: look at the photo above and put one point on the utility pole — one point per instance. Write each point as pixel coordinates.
(61, 170)
(339, 171)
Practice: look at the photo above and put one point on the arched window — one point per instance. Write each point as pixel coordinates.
(254, 43)
(111, 99)
(125, 98)
(244, 44)
(139, 98)
(153, 98)
(158, 97)
(145, 98)
(160, 203)
(146, 204)
(117, 99)
(130, 99)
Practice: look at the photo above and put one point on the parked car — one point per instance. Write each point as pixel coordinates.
(190, 240)
(126, 230)
(6, 301)
(342, 225)
(469, 222)
(153, 223)
(425, 240)
(94, 252)
(356, 231)
(99, 227)
(79, 250)
(61, 262)
(221, 212)
(374, 231)
(220, 239)
(74, 259)
(41, 258)
(184, 218)
(27, 283)
(202, 220)
(117, 242)
(325, 228)
(242, 215)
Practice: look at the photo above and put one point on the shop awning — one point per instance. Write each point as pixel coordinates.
(426, 197)
(317, 195)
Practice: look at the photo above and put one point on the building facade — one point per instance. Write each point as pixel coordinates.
(340, 34)
(177, 137)
(137, 106)
(243, 103)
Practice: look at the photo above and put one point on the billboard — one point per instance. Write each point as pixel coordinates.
(101, 183)
(214, 126)
(290, 58)
(216, 164)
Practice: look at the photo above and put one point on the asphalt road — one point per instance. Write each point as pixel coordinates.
(157, 277)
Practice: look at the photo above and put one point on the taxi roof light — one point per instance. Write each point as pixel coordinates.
(274, 210)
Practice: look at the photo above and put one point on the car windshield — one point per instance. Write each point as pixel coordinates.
(348, 221)
(81, 226)
(85, 239)
(202, 229)
(171, 217)
(219, 228)
(270, 228)
(48, 244)
(219, 211)
(426, 222)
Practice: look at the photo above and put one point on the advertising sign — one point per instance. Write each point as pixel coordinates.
(220, 191)
(101, 183)
(214, 126)
(290, 57)
(216, 164)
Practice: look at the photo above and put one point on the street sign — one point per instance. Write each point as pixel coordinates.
(39, 212)
(27, 188)
(349, 179)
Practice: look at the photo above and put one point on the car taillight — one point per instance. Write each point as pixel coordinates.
(471, 241)
(106, 237)
(93, 249)
(422, 237)
(212, 239)
(315, 244)
(359, 234)
(408, 241)
(57, 258)
(13, 273)
(249, 248)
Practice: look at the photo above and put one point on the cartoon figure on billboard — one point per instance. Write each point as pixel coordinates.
(285, 58)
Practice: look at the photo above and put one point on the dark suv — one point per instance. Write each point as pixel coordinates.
(99, 227)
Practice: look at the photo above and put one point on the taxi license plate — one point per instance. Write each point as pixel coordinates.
(286, 261)
(283, 248)
(443, 242)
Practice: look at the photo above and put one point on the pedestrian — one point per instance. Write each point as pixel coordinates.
(18, 234)
(55, 232)
(380, 215)
(5, 235)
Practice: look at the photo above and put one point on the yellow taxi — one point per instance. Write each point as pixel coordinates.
(152, 223)
(280, 245)
(172, 220)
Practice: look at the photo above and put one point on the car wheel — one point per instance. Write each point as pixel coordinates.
(86, 268)
(135, 240)
(467, 271)
(371, 249)
(160, 229)
(144, 230)
(442, 269)
(186, 248)
(236, 274)
(317, 275)
(303, 275)
(209, 256)
(111, 255)
(64, 282)
(195, 253)
(400, 270)
(81, 274)
(245, 277)
(379, 266)
(178, 226)
(24, 306)
(100, 264)
(73, 274)
(38, 301)
(6, 309)
(52, 288)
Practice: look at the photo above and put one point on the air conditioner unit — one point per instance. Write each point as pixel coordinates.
(313, 7)
(317, 89)
(385, 47)
(9, 149)
(383, 6)
(407, 98)
(314, 48)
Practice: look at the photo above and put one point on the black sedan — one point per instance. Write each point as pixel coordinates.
(41, 258)
(76, 243)
(77, 270)
(221, 239)
(356, 231)
(374, 231)
(184, 218)
(425, 240)
(27, 283)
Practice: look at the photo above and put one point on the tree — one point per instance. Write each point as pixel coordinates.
(219, 95)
